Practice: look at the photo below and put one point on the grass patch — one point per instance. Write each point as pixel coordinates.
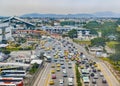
(114, 65)
(104, 59)
(111, 44)
(81, 42)
(78, 76)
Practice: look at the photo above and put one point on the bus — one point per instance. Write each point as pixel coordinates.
(13, 73)
(49, 59)
(11, 81)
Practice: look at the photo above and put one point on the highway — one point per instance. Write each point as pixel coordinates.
(45, 75)
(112, 81)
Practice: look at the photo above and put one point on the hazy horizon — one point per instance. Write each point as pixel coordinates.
(20, 7)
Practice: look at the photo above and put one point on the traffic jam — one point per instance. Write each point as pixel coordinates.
(63, 56)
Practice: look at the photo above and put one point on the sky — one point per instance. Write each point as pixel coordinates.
(20, 7)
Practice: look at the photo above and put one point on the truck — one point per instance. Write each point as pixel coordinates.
(70, 81)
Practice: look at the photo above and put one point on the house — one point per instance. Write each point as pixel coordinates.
(85, 34)
(96, 50)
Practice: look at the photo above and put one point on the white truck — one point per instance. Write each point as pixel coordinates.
(70, 81)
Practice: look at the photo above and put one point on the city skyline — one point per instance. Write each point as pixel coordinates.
(20, 7)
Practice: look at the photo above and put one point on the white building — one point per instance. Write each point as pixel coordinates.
(85, 34)
(5, 31)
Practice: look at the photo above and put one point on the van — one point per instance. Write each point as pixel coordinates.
(70, 81)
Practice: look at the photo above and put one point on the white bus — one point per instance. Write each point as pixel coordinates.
(13, 73)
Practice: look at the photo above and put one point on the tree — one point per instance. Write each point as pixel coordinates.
(116, 57)
(21, 40)
(6, 52)
(72, 33)
(108, 28)
(98, 42)
(92, 25)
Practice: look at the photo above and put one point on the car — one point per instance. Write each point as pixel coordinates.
(53, 71)
(96, 76)
(55, 60)
(63, 67)
(53, 76)
(82, 67)
(61, 82)
(101, 74)
(51, 82)
(104, 80)
(92, 74)
(94, 81)
(58, 69)
(87, 65)
(64, 71)
(98, 70)
(94, 70)
(62, 63)
(64, 74)
(52, 66)
(69, 66)
(90, 64)
(92, 67)
(71, 75)
(56, 56)
(61, 56)
(69, 63)
(62, 60)
(70, 81)
(67, 60)
(58, 65)
(95, 85)
(95, 65)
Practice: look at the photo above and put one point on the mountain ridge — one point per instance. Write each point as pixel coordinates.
(97, 14)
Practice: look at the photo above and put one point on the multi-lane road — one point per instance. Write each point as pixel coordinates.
(45, 75)
(112, 81)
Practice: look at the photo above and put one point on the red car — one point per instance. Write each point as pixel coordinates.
(53, 76)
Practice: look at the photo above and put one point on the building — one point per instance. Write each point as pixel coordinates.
(5, 32)
(18, 23)
(85, 34)
(57, 29)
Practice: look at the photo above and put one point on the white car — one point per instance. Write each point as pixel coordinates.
(64, 71)
(101, 74)
(96, 76)
(61, 82)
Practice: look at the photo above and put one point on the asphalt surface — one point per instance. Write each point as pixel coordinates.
(111, 80)
(45, 77)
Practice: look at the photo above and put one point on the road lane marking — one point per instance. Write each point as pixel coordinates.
(47, 80)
